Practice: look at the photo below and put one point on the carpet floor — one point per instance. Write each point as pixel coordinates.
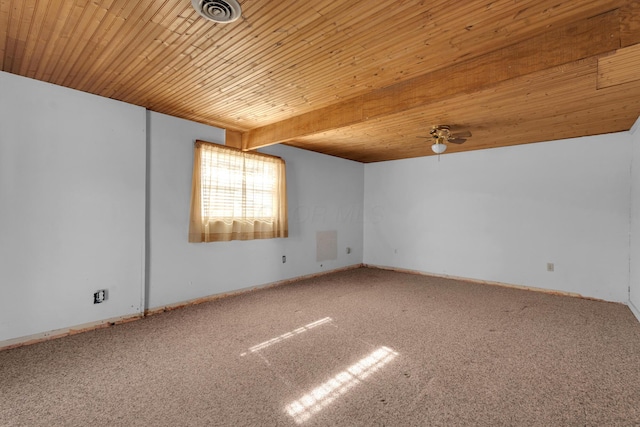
(363, 347)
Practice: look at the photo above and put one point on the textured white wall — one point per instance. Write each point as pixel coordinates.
(634, 282)
(72, 182)
(503, 214)
(324, 193)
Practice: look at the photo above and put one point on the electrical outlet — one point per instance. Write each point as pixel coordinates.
(550, 266)
(284, 259)
(100, 296)
(348, 250)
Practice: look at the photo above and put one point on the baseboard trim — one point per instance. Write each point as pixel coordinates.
(488, 282)
(65, 332)
(86, 327)
(59, 333)
(634, 309)
(196, 301)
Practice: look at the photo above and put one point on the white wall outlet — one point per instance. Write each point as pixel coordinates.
(550, 266)
(284, 259)
(348, 250)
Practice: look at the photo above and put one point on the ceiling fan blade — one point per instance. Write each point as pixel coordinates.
(456, 140)
(465, 134)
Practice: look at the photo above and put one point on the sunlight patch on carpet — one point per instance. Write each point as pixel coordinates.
(287, 335)
(321, 396)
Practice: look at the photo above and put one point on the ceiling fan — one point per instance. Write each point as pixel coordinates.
(442, 134)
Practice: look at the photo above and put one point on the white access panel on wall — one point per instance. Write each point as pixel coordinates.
(326, 245)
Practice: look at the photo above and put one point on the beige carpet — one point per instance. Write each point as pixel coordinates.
(358, 348)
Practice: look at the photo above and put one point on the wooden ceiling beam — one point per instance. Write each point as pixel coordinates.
(233, 138)
(620, 67)
(578, 40)
(630, 23)
(561, 102)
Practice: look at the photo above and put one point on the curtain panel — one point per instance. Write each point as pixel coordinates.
(236, 195)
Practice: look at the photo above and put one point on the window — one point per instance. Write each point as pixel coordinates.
(236, 195)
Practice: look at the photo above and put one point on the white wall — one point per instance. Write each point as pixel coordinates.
(72, 182)
(72, 212)
(634, 282)
(324, 193)
(502, 214)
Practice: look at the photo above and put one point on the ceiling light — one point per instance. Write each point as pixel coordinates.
(438, 147)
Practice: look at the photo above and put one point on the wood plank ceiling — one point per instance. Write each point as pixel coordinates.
(355, 79)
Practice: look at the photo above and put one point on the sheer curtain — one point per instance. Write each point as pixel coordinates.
(236, 195)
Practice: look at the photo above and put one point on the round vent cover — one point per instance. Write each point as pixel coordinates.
(221, 11)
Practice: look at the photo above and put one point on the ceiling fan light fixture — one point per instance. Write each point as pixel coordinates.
(438, 147)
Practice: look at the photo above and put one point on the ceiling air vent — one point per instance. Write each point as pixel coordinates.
(221, 11)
